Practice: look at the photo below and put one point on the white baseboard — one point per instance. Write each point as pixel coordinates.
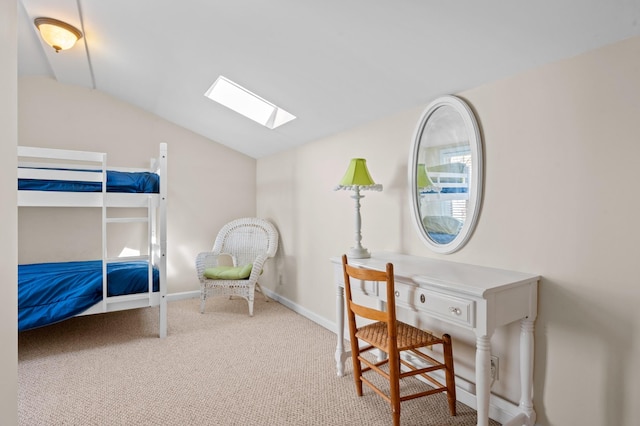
(195, 294)
(300, 310)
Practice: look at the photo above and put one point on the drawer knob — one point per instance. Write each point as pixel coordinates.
(454, 310)
(422, 298)
(397, 293)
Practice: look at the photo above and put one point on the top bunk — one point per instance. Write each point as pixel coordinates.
(448, 181)
(65, 178)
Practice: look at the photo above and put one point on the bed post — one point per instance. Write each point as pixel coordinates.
(163, 240)
(103, 200)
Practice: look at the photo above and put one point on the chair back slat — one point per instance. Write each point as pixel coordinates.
(366, 274)
(369, 313)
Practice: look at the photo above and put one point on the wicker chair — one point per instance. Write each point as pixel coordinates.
(393, 337)
(240, 242)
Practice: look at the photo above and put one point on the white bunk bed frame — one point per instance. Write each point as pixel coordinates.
(36, 160)
(442, 180)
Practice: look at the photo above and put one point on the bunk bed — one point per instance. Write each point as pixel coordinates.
(52, 292)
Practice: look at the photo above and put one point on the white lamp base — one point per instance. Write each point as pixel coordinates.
(358, 253)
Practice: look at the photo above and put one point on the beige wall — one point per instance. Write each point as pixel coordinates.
(8, 252)
(562, 144)
(209, 184)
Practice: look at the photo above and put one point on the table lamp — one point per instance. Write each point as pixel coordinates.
(357, 178)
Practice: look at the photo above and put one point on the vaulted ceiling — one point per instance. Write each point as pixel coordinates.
(335, 64)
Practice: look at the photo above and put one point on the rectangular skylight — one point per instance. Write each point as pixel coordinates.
(247, 103)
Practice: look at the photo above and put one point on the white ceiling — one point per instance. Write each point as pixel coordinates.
(335, 64)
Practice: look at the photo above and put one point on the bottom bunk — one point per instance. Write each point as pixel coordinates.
(53, 292)
(442, 229)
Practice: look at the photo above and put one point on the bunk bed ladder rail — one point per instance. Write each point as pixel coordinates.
(104, 232)
(150, 220)
(151, 233)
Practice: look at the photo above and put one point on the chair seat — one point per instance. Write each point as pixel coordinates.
(409, 337)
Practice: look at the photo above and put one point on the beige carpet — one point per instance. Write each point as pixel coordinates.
(220, 368)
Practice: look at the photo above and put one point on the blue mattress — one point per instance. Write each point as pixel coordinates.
(447, 190)
(441, 238)
(130, 182)
(52, 292)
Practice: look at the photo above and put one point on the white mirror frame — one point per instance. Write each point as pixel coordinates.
(475, 188)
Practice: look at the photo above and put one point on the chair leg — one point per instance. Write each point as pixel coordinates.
(394, 386)
(250, 302)
(357, 367)
(203, 299)
(449, 373)
(396, 415)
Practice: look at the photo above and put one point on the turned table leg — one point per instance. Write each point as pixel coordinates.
(483, 378)
(526, 370)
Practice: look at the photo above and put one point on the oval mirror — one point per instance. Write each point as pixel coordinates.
(445, 174)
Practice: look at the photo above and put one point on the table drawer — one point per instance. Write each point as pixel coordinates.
(404, 294)
(449, 308)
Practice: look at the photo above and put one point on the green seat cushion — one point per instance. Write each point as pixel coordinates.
(229, 272)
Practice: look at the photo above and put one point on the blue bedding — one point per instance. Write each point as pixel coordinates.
(447, 190)
(52, 292)
(130, 182)
(441, 238)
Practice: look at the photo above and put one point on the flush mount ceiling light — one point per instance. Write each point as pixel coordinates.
(247, 103)
(57, 34)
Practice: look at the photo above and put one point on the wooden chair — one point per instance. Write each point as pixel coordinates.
(393, 338)
(235, 263)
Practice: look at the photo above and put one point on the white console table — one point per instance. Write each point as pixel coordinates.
(473, 297)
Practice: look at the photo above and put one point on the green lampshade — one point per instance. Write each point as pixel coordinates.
(423, 180)
(357, 174)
